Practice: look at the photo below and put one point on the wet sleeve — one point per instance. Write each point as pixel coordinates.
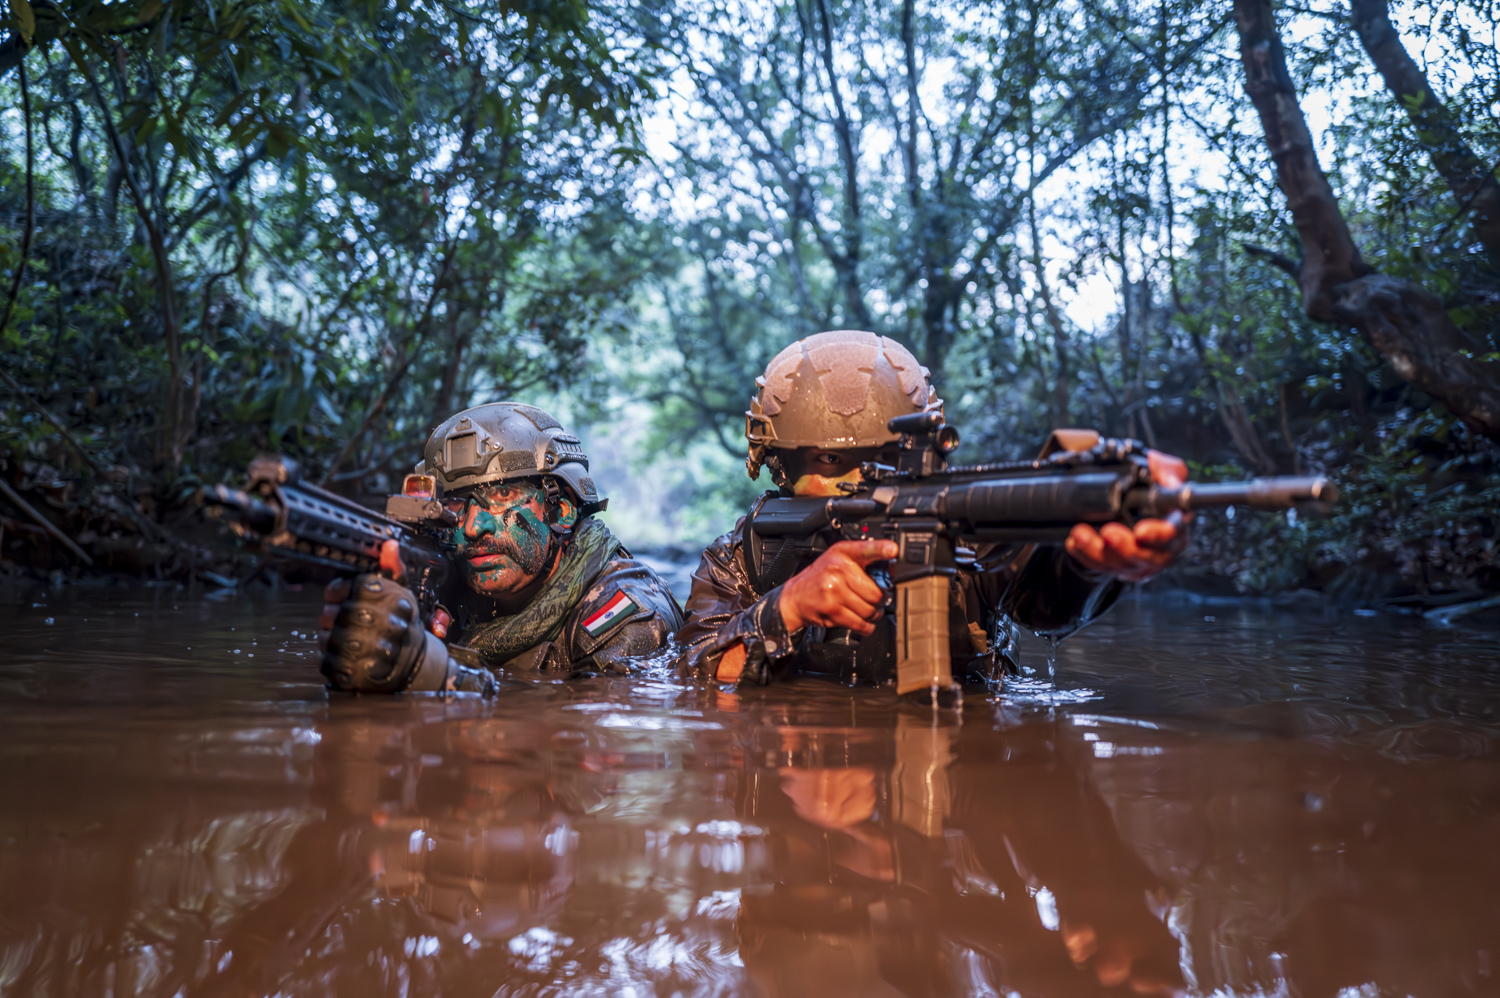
(627, 616)
(1042, 588)
(449, 669)
(723, 610)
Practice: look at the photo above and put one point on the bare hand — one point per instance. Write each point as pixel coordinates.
(834, 591)
(1136, 554)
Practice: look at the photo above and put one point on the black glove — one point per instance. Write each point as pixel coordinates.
(377, 641)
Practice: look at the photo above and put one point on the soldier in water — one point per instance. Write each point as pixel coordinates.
(821, 411)
(546, 586)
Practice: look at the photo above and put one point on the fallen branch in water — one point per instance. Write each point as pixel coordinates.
(45, 523)
(1447, 614)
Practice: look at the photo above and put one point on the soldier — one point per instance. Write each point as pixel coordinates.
(546, 586)
(821, 411)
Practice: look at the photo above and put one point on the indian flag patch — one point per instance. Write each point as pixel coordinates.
(610, 614)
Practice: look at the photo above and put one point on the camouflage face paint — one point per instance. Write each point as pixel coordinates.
(819, 472)
(502, 538)
(822, 485)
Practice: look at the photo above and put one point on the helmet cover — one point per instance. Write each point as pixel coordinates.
(837, 390)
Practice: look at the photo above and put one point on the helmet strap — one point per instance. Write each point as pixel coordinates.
(776, 465)
(552, 503)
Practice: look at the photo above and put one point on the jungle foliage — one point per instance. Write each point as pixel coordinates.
(321, 227)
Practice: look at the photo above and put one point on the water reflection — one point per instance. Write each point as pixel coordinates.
(905, 866)
(1223, 817)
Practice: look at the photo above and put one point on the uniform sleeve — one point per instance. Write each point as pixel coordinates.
(628, 614)
(723, 610)
(1042, 588)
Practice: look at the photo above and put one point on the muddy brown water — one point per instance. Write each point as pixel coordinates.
(1214, 799)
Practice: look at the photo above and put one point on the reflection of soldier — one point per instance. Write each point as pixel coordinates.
(432, 832)
(822, 410)
(999, 871)
(547, 586)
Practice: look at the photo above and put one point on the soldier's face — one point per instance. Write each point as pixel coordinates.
(818, 471)
(502, 538)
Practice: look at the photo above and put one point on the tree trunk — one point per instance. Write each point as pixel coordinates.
(1404, 322)
(1471, 179)
(1060, 386)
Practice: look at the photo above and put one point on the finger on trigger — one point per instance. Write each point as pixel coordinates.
(865, 552)
(327, 617)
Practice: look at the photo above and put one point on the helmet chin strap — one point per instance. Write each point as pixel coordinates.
(552, 503)
(776, 465)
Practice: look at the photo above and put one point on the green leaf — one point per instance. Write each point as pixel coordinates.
(24, 18)
(276, 142)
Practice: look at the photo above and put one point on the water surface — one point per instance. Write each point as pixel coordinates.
(1227, 799)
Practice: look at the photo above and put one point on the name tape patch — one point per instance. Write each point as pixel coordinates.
(610, 614)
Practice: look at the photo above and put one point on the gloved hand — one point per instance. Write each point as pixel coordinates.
(370, 634)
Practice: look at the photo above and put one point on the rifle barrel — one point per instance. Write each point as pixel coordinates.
(1261, 493)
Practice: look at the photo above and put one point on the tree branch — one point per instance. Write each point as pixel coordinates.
(1278, 260)
(1329, 256)
(1467, 176)
(15, 284)
(1407, 324)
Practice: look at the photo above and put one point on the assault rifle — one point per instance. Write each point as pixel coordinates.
(284, 516)
(929, 508)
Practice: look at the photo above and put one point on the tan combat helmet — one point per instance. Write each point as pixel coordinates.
(501, 441)
(835, 390)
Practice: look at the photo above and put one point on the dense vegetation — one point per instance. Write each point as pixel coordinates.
(247, 225)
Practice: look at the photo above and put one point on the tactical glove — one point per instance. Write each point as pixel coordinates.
(377, 644)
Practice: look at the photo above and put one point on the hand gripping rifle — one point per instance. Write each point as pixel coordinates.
(287, 517)
(928, 509)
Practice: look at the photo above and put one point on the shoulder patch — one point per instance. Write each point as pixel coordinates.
(610, 615)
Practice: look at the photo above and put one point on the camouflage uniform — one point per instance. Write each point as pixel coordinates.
(598, 608)
(1037, 586)
(839, 390)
